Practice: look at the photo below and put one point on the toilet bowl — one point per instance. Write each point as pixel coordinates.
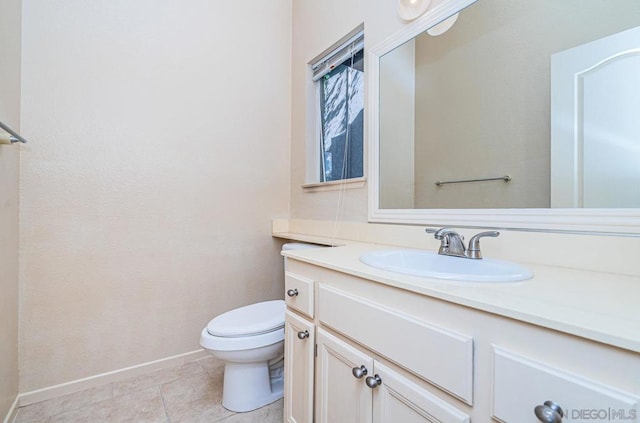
(250, 342)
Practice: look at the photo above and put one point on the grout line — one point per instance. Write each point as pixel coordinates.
(164, 405)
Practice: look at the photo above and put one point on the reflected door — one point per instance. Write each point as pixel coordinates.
(595, 129)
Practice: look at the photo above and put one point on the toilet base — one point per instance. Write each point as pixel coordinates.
(249, 386)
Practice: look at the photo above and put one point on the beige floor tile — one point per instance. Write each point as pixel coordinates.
(79, 399)
(211, 364)
(94, 413)
(34, 413)
(193, 395)
(39, 412)
(142, 406)
(190, 393)
(156, 378)
(190, 368)
(272, 413)
(201, 411)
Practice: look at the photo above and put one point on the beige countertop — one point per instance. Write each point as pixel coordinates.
(603, 307)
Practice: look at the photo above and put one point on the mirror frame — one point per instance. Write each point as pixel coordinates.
(609, 221)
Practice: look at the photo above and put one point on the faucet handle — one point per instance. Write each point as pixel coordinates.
(473, 251)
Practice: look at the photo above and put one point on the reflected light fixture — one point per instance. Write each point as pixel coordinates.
(412, 9)
(443, 26)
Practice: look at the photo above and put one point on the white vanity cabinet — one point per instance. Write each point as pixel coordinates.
(299, 346)
(385, 354)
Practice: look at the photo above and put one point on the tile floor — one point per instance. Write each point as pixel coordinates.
(190, 393)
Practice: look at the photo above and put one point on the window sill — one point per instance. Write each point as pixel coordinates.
(354, 183)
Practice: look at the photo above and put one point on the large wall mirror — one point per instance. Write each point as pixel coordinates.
(524, 114)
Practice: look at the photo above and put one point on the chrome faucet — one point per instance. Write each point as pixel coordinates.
(452, 243)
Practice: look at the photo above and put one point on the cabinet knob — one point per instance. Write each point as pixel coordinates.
(373, 381)
(358, 372)
(303, 334)
(292, 292)
(549, 412)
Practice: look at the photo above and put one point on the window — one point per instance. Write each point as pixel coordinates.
(339, 76)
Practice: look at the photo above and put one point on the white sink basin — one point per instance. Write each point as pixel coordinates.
(432, 265)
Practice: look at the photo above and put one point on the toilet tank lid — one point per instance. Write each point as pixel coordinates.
(299, 246)
(249, 320)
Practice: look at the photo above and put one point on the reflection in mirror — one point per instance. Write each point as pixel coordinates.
(517, 88)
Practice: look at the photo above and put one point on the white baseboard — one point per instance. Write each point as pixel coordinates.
(12, 411)
(73, 386)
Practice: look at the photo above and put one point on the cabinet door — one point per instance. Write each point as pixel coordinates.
(397, 399)
(299, 345)
(341, 396)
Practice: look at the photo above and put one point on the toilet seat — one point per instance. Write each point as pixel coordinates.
(254, 319)
(239, 343)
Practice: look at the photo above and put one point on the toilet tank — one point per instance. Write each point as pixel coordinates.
(297, 246)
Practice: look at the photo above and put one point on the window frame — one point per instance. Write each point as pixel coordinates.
(314, 143)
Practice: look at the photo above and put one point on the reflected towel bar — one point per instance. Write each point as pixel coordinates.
(505, 178)
(15, 137)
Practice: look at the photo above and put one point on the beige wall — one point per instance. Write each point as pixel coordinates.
(9, 164)
(158, 131)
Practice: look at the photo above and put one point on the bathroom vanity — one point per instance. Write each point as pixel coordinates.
(364, 344)
(367, 345)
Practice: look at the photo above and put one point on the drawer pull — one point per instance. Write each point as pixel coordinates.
(358, 372)
(550, 412)
(303, 335)
(373, 381)
(292, 292)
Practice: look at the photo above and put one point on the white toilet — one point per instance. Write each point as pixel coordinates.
(250, 341)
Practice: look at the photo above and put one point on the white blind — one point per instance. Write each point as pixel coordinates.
(336, 56)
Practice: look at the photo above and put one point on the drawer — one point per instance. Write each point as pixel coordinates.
(437, 355)
(299, 293)
(521, 383)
